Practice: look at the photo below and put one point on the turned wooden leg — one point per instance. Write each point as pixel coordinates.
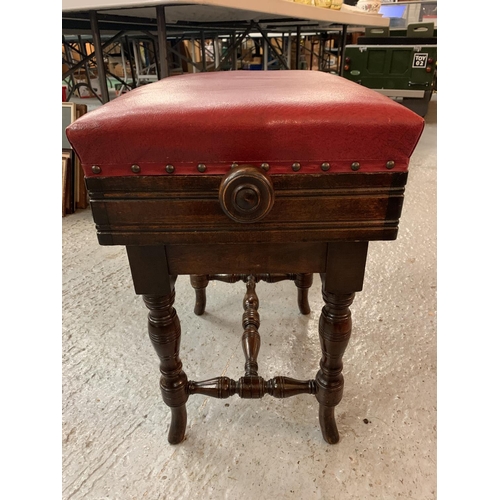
(344, 276)
(303, 282)
(334, 332)
(153, 280)
(165, 334)
(199, 282)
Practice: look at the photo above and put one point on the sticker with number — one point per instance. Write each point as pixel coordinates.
(419, 60)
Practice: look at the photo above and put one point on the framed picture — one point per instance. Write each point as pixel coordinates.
(75, 182)
(66, 182)
(68, 117)
(81, 195)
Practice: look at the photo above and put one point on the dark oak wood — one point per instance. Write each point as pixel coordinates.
(199, 282)
(165, 334)
(303, 281)
(251, 323)
(198, 185)
(345, 267)
(269, 278)
(344, 276)
(334, 332)
(245, 259)
(252, 387)
(246, 194)
(140, 210)
(149, 268)
(344, 272)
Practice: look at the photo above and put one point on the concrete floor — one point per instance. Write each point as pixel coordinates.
(114, 421)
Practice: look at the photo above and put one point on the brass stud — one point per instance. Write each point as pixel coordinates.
(96, 169)
(201, 167)
(325, 166)
(265, 167)
(390, 164)
(355, 165)
(136, 169)
(233, 165)
(296, 167)
(170, 169)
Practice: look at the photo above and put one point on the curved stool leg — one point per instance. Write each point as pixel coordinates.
(328, 424)
(303, 282)
(165, 334)
(178, 422)
(199, 282)
(334, 333)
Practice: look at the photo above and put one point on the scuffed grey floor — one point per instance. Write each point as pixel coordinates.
(114, 421)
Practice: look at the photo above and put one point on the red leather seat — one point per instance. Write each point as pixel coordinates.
(274, 117)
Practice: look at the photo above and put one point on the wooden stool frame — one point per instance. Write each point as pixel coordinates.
(341, 277)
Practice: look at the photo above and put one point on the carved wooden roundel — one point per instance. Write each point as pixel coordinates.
(246, 194)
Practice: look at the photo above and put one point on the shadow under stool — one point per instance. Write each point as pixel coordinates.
(252, 176)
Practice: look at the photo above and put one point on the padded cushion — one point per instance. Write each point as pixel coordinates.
(246, 117)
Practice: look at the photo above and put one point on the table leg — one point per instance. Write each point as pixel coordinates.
(343, 277)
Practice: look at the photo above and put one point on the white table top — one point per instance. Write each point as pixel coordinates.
(225, 10)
